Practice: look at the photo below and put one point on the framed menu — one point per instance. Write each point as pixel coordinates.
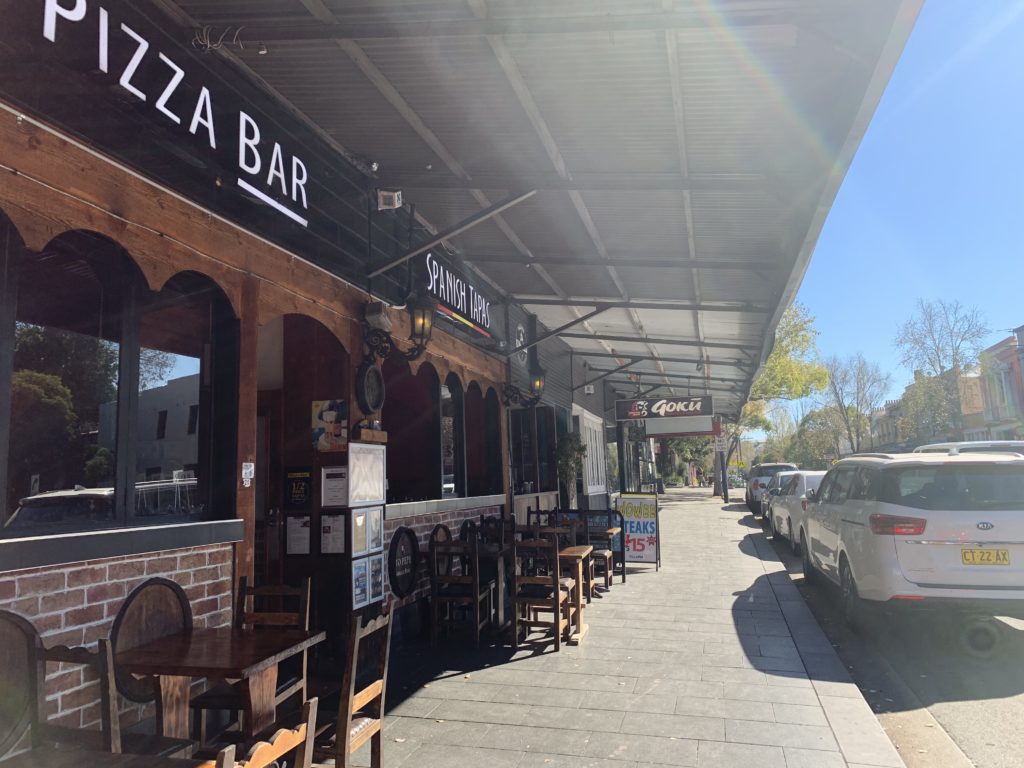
(334, 486)
(360, 583)
(366, 474)
(360, 544)
(374, 529)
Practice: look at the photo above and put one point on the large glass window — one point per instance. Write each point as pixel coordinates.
(64, 385)
(453, 442)
(104, 379)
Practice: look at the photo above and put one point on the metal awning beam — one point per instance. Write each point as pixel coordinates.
(257, 29)
(583, 182)
(694, 377)
(703, 387)
(606, 374)
(650, 340)
(691, 360)
(646, 262)
(611, 303)
(457, 229)
(558, 330)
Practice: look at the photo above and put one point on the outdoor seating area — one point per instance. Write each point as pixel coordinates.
(546, 571)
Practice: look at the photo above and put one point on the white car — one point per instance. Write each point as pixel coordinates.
(790, 504)
(760, 476)
(919, 529)
(974, 446)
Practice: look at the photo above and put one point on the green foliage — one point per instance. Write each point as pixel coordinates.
(792, 370)
(43, 425)
(930, 407)
(569, 453)
(86, 365)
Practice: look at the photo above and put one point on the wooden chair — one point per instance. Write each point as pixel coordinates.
(21, 683)
(291, 679)
(538, 587)
(266, 753)
(29, 650)
(451, 590)
(360, 716)
(603, 558)
(156, 608)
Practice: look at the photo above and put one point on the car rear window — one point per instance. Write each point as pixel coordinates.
(964, 487)
(771, 470)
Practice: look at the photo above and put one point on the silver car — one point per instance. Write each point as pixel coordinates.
(789, 505)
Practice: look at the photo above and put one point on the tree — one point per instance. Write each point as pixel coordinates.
(941, 336)
(791, 372)
(815, 442)
(42, 419)
(855, 388)
(930, 407)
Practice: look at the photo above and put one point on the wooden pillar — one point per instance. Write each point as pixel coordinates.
(245, 508)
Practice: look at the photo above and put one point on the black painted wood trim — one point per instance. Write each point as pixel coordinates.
(64, 549)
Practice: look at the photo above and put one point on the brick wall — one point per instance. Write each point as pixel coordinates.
(75, 604)
(423, 525)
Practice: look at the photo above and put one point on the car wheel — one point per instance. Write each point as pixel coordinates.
(852, 606)
(750, 503)
(980, 637)
(810, 575)
(770, 519)
(793, 543)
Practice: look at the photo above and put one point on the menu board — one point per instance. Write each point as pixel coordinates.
(297, 534)
(332, 534)
(366, 474)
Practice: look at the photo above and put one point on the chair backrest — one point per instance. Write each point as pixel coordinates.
(23, 660)
(536, 560)
(156, 608)
(102, 661)
(22, 681)
(265, 753)
(441, 534)
(272, 605)
(368, 701)
(497, 530)
(441, 552)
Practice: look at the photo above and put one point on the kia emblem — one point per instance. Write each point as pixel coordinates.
(985, 526)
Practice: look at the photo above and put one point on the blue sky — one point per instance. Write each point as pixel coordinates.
(933, 203)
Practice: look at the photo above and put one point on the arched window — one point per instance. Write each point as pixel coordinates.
(476, 442)
(453, 439)
(123, 402)
(412, 418)
(492, 442)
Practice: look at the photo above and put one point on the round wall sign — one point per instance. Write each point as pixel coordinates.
(403, 562)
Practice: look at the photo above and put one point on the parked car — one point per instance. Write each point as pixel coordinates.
(920, 529)
(771, 491)
(790, 504)
(974, 446)
(760, 475)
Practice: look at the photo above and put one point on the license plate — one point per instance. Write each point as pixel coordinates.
(985, 556)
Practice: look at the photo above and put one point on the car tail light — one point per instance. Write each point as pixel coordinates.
(803, 504)
(756, 485)
(893, 525)
(908, 597)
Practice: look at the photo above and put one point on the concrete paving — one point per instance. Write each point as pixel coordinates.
(714, 660)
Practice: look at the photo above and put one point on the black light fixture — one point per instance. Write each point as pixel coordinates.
(513, 395)
(377, 329)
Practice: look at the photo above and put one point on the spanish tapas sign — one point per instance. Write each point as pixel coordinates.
(663, 407)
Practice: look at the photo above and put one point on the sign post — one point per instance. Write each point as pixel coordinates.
(640, 527)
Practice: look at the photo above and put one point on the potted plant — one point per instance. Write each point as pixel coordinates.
(569, 454)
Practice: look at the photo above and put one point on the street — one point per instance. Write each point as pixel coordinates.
(902, 663)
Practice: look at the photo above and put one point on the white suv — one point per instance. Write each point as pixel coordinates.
(920, 528)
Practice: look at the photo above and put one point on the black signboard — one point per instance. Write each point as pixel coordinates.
(403, 562)
(135, 84)
(298, 488)
(663, 407)
(458, 294)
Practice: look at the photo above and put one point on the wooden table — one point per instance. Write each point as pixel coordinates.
(250, 656)
(577, 557)
(47, 757)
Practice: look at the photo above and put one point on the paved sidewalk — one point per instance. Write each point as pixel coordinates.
(713, 661)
